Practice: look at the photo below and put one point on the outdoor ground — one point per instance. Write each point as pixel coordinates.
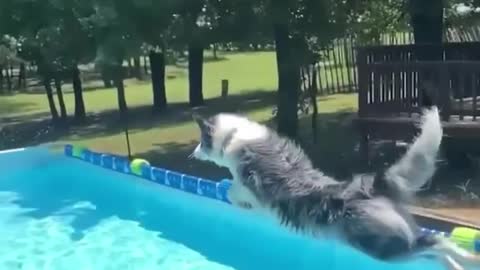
(167, 139)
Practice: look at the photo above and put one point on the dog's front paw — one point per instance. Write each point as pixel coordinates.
(238, 195)
(245, 205)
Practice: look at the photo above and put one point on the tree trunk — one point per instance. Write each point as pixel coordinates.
(426, 18)
(313, 98)
(157, 66)
(427, 21)
(78, 94)
(105, 73)
(195, 73)
(118, 81)
(22, 77)
(215, 56)
(51, 100)
(1, 79)
(137, 68)
(61, 101)
(130, 68)
(288, 82)
(9, 79)
(145, 65)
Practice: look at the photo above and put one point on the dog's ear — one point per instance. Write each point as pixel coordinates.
(203, 123)
(197, 118)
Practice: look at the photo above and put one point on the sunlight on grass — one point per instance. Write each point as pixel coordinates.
(185, 133)
(245, 72)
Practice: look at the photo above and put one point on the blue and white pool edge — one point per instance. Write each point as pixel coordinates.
(187, 183)
(8, 151)
(192, 184)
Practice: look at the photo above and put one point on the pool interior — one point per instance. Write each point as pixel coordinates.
(58, 213)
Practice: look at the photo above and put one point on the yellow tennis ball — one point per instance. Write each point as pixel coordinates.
(77, 150)
(137, 164)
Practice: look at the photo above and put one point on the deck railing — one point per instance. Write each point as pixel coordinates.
(390, 86)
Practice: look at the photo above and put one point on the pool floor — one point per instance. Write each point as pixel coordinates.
(61, 213)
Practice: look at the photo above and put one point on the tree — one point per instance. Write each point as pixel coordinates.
(190, 14)
(116, 38)
(142, 16)
(78, 45)
(288, 69)
(8, 57)
(462, 13)
(55, 40)
(426, 18)
(300, 29)
(370, 19)
(19, 19)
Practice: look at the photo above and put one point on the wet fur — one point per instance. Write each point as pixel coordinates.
(273, 174)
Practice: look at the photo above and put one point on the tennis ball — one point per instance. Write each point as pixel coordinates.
(137, 164)
(77, 150)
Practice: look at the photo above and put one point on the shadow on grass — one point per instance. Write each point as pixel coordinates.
(8, 107)
(88, 86)
(27, 132)
(334, 153)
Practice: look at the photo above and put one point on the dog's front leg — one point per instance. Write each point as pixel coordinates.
(239, 196)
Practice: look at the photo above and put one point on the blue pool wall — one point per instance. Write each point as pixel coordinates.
(192, 184)
(195, 185)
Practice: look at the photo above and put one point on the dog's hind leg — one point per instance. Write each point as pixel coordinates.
(377, 228)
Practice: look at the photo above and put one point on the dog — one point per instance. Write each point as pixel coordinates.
(273, 175)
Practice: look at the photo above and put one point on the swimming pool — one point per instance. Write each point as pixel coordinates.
(62, 213)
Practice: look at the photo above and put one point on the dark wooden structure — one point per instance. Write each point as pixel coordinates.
(396, 81)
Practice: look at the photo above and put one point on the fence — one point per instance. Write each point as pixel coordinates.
(394, 88)
(337, 71)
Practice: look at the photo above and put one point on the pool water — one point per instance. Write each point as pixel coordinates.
(61, 213)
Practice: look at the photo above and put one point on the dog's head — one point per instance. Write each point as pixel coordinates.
(222, 134)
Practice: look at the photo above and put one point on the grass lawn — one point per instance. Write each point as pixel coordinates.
(245, 72)
(167, 139)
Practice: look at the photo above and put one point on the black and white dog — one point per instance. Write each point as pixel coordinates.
(274, 175)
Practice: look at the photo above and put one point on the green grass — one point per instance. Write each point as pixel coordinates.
(167, 139)
(246, 72)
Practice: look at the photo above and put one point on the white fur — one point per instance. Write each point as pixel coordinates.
(417, 166)
(244, 131)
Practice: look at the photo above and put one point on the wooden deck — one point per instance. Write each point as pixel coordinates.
(446, 219)
(403, 126)
(394, 87)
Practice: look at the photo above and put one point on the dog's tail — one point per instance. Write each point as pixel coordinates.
(417, 166)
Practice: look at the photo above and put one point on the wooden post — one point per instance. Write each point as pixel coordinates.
(224, 88)
(363, 81)
(444, 92)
